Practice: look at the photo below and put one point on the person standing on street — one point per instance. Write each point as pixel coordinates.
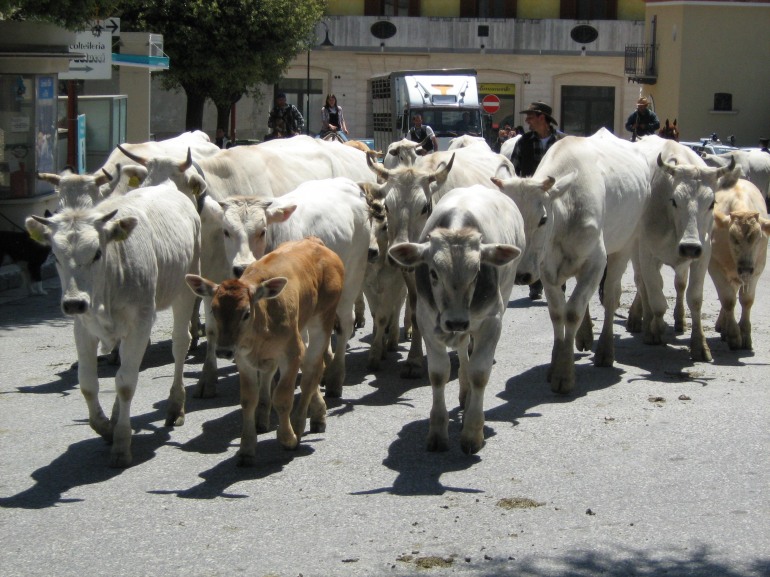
(529, 151)
(643, 121)
(423, 133)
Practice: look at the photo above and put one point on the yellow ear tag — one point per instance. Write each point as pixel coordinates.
(120, 234)
(36, 235)
(133, 182)
(196, 189)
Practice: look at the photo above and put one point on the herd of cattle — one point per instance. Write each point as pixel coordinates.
(282, 241)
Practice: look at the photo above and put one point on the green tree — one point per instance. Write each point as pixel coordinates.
(221, 49)
(69, 14)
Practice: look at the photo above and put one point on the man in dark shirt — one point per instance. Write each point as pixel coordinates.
(284, 120)
(529, 151)
(643, 121)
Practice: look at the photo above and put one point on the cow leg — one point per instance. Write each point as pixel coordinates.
(616, 266)
(726, 324)
(699, 348)
(393, 327)
(249, 379)
(265, 403)
(584, 338)
(360, 312)
(195, 323)
(746, 296)
(87, 347)
(635, 312)
(182, 309)
(479, 367)
(654, 303)
(377, 350)
(207, 383)
(412, 368)
(283, 395)
(310, 391)
(334, 376)
(680, 284)
(132, 349)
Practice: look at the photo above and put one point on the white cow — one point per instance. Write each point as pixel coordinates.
(465, 263)
(333, 210)
(676, 231)
(582, 211)
(119, 263)
(467, 140)
(409, 192)
(384, 288)
(507, 148)
(754, 165)
(738, 256)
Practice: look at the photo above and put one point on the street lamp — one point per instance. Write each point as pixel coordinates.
(325, 45)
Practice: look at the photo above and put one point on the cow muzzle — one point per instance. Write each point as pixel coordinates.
(76, 306)
(690, 250)
(374, 254)
(456, 325)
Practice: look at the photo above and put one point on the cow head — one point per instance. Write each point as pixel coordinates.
(454, 261)
(403, 153)
(233, 304)
(690, 189)
(162, 168)
(406, 194)
(746, 233)
(243, 222)
(77, 190)
(533, 196)
(80, 241)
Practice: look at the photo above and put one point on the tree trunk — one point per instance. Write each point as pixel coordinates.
(223, 116)
(194, 117)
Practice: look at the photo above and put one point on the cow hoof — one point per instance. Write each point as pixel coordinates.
(333, 391)
(471, 446)
(205, 390)
(317, 427)
(634, 326)
(359, 323)
(411, 371)
(245, 460)
(562, 386)
(701, 355)
(174, 420)
(120, 460)
(437, 444)
(262, 428)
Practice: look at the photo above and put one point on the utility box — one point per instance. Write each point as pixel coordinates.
(105, 125)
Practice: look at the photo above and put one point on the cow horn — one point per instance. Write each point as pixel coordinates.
(132, 156)
(669, 168)
(376, 168)
(187, 162)
(54, 179)
(103, 178)
(725, 169)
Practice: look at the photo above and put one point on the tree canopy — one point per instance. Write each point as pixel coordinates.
(219, 49)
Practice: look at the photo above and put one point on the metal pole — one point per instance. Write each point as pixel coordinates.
(307, 96)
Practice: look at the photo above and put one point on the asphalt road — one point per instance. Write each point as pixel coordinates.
(654, 467)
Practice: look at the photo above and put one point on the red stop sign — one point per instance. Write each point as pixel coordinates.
(490, 104)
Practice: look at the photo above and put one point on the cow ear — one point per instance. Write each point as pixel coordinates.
(279, 214)
(373, 192)
(407, 253)
(556, 188)
(499, 254)
(201, 286)
(721, 220)
(136, 175)
(119, 230)
(498, 182)
(39, 229)
(765, 224)
(270, 288)
(54, 179)
(197, 184)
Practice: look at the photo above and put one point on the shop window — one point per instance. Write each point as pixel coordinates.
(589, 9)
(586, 109)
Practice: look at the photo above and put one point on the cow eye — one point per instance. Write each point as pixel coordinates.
(227, 234)
(434, 276)
(425, 208)
(673, 202)
(711, 206)
(246, 315)
(262, 234)
(543, 221)
(98, 254)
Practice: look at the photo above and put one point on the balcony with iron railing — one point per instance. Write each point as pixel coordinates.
(642, 63)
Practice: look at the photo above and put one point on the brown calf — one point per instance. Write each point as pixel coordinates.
(260, 319)
(738, 254)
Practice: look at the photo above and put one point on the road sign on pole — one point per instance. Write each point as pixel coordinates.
(490, 104)
(96, 43)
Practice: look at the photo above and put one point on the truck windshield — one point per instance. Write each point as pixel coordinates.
(451, 122)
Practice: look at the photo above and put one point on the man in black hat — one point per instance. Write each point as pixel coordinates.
(284, 120)
(529, 151)
(763, 142)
